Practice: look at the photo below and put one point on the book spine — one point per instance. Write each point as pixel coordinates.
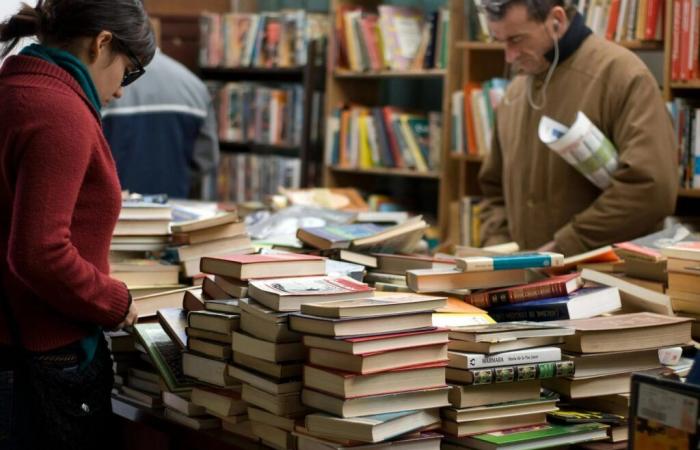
(539, 313)
(525, 261)
(533, 356)
(524, 372)
(518, 295)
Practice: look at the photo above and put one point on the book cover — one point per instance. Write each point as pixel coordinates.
(582, 304)
(165, 354)
(551, 287)
(314, 286)
(508, 262)
(522, 372)
(536, 433)
(461, 360)
(340, 236)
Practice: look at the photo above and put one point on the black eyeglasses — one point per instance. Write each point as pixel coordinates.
(131, 75)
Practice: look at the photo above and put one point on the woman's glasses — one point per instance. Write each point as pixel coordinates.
(131, 75)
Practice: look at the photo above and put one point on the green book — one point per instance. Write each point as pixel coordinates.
(533, 437)
(165, 354)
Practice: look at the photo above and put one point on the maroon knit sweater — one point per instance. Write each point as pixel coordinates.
(59, 202)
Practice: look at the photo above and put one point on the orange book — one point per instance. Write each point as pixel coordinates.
(612, 20)
(469, 121)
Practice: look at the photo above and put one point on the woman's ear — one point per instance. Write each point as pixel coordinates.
(99, 45)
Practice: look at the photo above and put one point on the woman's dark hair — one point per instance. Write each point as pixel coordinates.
(59, 22)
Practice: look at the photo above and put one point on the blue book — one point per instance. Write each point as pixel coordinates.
(581, 304)
(337, 236)
(509, 262)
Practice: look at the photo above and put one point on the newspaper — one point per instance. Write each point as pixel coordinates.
(583, 146)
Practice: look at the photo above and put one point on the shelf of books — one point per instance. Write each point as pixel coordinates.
(265, 73)
(689, 193)
(376, 140)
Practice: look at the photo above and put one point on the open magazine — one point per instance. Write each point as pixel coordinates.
(583, 146)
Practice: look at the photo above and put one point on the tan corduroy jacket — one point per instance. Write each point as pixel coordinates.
(532, 196)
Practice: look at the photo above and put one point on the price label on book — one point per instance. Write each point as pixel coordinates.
(671, 409)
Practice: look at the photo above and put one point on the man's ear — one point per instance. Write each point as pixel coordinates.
(99, 44)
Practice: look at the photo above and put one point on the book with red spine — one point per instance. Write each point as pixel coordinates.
(676, 41)
(551, 287)
(653, 15)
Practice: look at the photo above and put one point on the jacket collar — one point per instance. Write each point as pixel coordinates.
(45, 73)
(571, 40)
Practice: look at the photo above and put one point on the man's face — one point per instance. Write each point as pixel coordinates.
(526, 40)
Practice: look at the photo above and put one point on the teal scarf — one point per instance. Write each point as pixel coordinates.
(71, 64)
(68, 62)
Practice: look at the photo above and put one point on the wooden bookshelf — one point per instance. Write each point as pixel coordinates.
(687, 85)
(312, 79)
(418, 191)
(467, 158)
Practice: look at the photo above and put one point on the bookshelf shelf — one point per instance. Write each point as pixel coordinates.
(349, 74)
(689, 193)
(407, 173)
(254, 147)
(467, 158)
(643, 45)
(253, 73)
(687, 85)
(478, 45)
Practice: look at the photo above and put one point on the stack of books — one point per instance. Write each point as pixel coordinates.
(389, 273)
(263, 355)
(375, 369)
(496, 370)
(683, 264)
(220, 234)
(142, 226)
(143, 229)
(607, 350)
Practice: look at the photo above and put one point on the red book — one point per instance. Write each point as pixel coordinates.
(343, 384)
(369, 30)
(685, 39)
(245, 267)
(612, 20)
(653, 16)
(393, 142)
(558, 286)
(676, 41)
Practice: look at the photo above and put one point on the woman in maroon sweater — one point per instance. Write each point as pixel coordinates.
(59, 202)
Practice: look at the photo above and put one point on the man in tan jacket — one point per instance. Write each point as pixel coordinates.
(531, 195)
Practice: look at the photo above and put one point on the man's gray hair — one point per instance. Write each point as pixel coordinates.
(536, 9)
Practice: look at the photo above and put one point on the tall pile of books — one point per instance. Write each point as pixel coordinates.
(266, 355)
(496, 372)
(268, 39)
(605, 351)
(375, 370)
(394, 37)
(364, 137)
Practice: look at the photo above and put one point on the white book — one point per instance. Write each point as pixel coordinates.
(461, 360)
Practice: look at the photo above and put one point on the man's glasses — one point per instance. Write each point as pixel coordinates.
(131, 75)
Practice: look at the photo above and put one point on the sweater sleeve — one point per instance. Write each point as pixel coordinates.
(50, 168)
(494, 221)
(644, 187)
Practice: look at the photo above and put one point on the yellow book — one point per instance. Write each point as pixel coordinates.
(364, 146)
(641, 19)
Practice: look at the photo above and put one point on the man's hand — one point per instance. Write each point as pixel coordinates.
(550, 246)
(131, 317)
